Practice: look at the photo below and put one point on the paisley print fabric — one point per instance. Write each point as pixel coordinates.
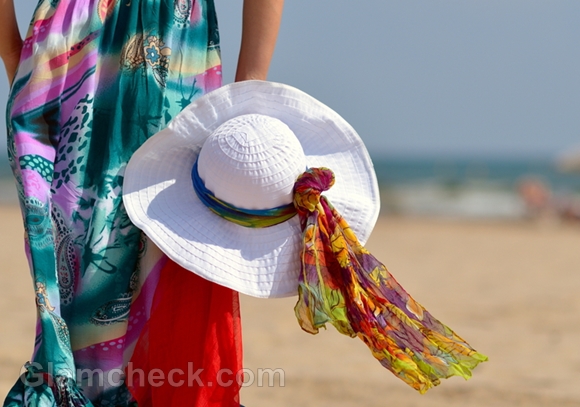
(96, 79)
(341, 283)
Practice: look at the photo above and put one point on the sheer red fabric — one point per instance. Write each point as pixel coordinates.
(190, 352)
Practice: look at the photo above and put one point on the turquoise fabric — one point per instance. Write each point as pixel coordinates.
(96, 79)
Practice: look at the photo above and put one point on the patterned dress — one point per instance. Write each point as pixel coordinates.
(97, 78)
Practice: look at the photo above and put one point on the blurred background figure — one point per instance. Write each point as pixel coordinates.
(560, 200)
(569, 205)
(536, 196)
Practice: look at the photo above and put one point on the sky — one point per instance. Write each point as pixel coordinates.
(436, 78)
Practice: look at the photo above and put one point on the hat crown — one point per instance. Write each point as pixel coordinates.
(252, 162)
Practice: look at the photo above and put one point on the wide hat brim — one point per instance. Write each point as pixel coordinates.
(263, 262)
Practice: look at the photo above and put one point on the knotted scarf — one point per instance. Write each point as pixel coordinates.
(343, 284)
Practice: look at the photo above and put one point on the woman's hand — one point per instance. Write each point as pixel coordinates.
(10, 40)
(261, 22)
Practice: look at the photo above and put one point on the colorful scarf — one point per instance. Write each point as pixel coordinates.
(343, 284)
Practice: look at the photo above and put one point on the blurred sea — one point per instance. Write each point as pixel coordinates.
(457, 188)
(463, 188)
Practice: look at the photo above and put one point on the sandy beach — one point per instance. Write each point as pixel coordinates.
(509, 288)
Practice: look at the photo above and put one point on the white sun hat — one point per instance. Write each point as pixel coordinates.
(252, 139)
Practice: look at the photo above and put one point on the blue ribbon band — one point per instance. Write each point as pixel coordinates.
(251, 218)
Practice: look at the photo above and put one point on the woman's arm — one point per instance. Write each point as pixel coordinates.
(261, 21)
(10, 40)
